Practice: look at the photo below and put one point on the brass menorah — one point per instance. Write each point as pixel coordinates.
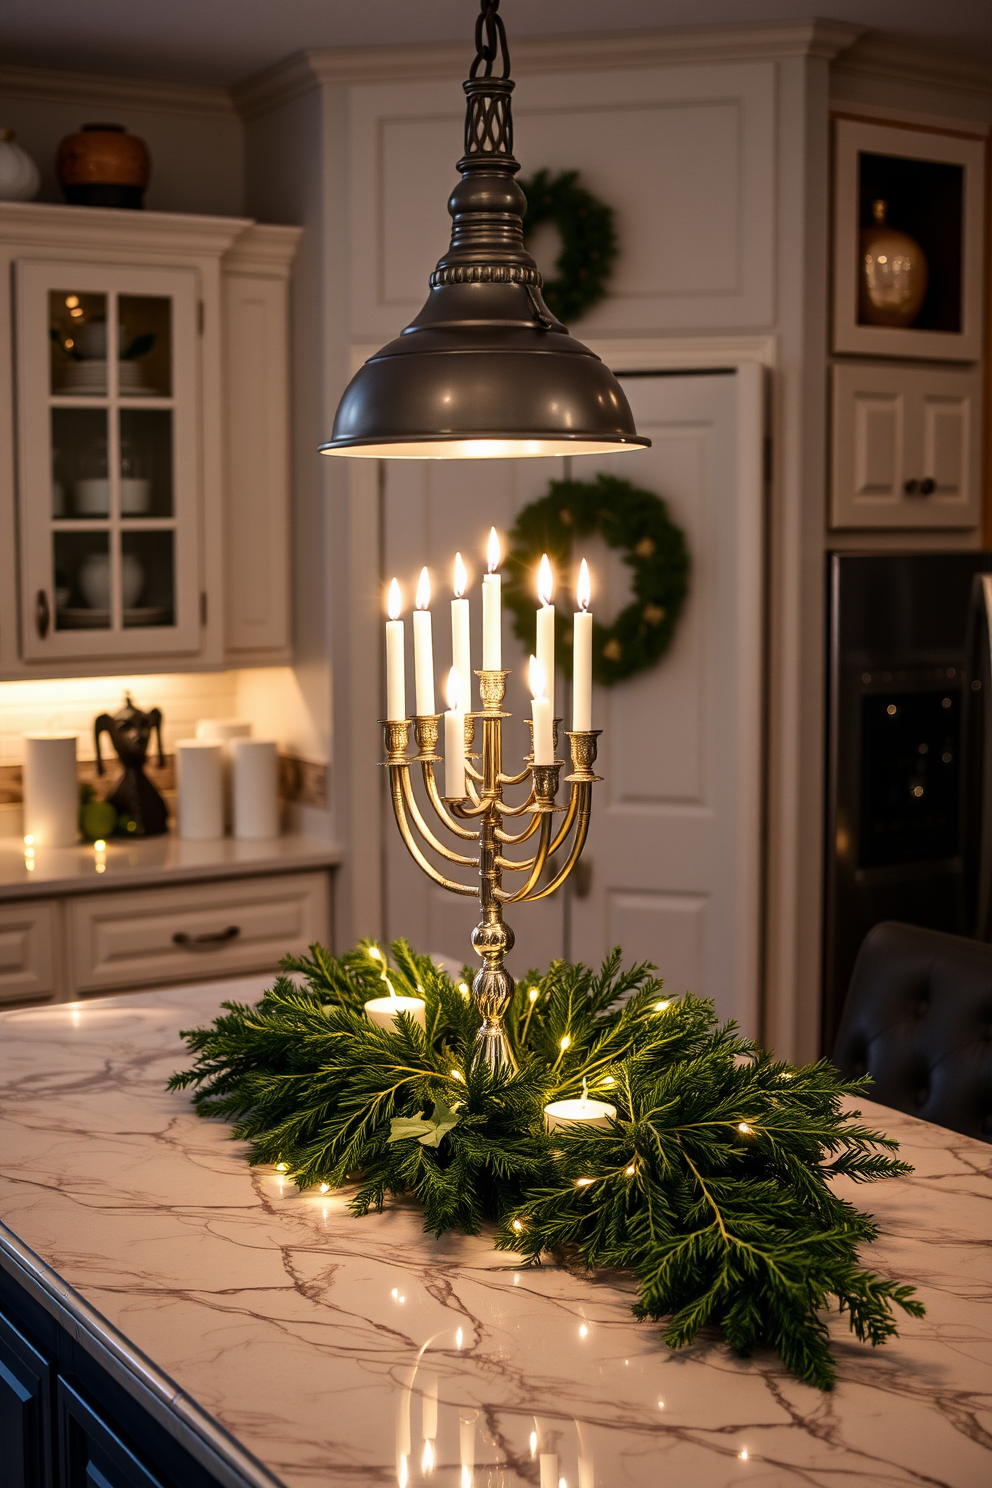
(483, 803)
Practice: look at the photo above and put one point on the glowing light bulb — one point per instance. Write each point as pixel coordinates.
(584, 1182)
(545, 580)
(375, 953)
(493, 553)
(517, 1225)
(743, 1128)
(325, 1187)
(423, 600)
(609, 1080)
(463, 988)
(457, 1075)
(394, 604)
(630, 1170)
(533, 993)
(583, 589)
(565, 1042)
(661, 1007)
(71, 301)
(461, 577)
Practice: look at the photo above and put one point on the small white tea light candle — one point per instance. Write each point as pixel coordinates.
(454, 739)
(544, 739)
(395, 657)
(582, 655)
(461, 627)
(590, 1112)
(492, 613)
(546, 628)
(423, 646)
(384, 1011)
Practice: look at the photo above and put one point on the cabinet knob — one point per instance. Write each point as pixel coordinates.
(42, 613)
(928, 486)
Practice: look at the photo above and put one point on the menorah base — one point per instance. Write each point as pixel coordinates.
(492, 992)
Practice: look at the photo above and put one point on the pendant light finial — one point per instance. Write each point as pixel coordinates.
(485, 370)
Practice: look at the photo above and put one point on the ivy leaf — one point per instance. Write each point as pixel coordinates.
(428, 1133)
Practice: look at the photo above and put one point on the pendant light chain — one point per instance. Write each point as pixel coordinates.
(490, 22)
(488, 120)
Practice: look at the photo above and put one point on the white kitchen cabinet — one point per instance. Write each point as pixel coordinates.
(30, 950)
(144, 474)
(906, 446)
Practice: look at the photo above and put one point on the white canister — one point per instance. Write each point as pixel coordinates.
(19, 176)
(255, 787)
(200, 788)
(51, 790)
(225, 729)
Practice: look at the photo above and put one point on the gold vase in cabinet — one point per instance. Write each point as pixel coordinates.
(893, 274)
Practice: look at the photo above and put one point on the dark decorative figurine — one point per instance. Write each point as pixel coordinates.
(135, 798)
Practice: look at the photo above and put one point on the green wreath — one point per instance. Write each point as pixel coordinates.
(629, 519)
(588, 241)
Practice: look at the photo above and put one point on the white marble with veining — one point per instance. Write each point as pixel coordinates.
(321, 1341)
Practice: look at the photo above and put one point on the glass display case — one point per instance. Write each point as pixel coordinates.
(107, 364)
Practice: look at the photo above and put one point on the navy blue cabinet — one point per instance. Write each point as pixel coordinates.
(65, 1422)
(26, 1436)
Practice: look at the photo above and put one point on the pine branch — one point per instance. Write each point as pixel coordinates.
(712, 1185)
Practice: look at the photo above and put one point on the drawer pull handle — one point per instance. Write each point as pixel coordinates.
(196, 942)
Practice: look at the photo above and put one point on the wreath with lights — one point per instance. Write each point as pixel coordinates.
(636, 523)
(710, 1183)
(588, 241)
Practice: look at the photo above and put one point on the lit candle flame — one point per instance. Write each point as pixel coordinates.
(454, 690)
(461, 577)
(493, 553)
(583, 590)
(545, 580)
(394, 604)
(424, 590)
(538, 680)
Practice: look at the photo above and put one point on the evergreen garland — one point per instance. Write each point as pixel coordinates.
(635, 522)
(712, 1185)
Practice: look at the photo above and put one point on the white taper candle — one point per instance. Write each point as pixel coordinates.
(544, 746)
(582, 655)
(454, 739)
(423, 646)
(461, 625)
(395, 657)
(492, 614)
(546, 629)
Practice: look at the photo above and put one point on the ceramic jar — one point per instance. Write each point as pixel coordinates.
(893, 278)
(19, 178)
(103, 166)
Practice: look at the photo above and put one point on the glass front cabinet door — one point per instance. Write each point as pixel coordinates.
(107, 418)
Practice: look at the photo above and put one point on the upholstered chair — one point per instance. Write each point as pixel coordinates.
(918, 1019)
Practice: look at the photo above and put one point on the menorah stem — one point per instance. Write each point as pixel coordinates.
(492, 938)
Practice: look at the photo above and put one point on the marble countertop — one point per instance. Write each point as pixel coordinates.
(338, 1350)
(151, 861)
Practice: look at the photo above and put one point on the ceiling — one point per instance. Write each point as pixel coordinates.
(223, 41)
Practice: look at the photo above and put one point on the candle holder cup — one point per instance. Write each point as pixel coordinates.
(482, 818)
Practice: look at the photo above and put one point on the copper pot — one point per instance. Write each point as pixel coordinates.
(103, 166)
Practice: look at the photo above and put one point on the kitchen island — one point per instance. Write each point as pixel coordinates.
(221, 1328)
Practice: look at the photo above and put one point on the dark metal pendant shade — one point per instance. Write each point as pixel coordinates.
(484, 369)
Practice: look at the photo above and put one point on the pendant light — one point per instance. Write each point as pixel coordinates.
(485, 370)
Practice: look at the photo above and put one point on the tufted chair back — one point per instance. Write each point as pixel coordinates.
(918, 1019)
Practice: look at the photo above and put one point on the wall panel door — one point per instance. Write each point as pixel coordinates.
(673, 859)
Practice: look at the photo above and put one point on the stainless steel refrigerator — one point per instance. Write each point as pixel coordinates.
(908, 745)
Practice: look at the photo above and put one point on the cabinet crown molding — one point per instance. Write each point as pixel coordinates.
(51, 226)
(882, 54)
(53, 85)
(342, 66)
(263, 248)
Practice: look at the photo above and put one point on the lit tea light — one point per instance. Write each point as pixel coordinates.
(589, 1112)
(384, 1011)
